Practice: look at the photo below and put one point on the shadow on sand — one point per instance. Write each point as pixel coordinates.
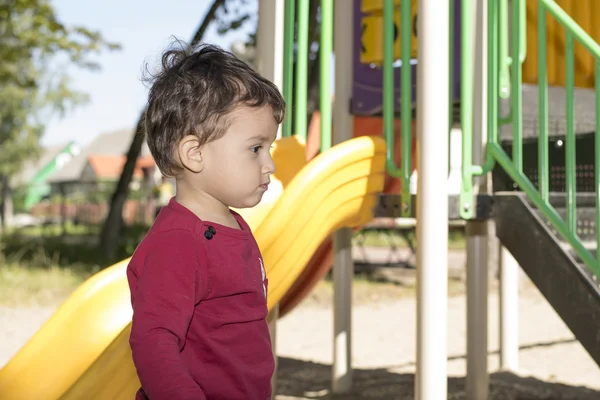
(306, 380)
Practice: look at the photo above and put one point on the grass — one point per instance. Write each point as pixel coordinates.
(385, 238)
(58, 230)
(27, 286)
(44, 269)
(54, 248)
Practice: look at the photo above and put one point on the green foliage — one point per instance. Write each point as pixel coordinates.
(19, 195)
(234, 14)
(47, 246)
(31, 38)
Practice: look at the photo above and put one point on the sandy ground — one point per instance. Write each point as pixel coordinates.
(552, 364)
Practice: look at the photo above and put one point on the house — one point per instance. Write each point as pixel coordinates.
(108, 168)
(34, 175)
(100, 163)
(81, 189)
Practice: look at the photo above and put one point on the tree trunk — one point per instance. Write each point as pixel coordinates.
(2, 203)
(111, 231)
(6, 204)
(208, 18)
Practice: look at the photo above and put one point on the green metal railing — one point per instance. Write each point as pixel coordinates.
(405, 170)
(326, 50)
(296, 92)
(466, 113)
(506, 60)
(300, 111)
(506, 54)
(497, 81)
(301, 100)
(288, 63)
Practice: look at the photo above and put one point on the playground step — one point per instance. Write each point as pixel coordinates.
(585, 215)
(566, 283)
(586, 225)
(390, 206)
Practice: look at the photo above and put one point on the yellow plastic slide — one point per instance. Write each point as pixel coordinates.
(335, 189)
(85, 325)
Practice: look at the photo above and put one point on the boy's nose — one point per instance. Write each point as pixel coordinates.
(269, 167)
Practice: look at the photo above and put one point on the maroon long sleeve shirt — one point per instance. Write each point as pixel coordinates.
(199, 327)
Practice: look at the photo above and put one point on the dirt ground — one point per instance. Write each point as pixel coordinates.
(552, 364)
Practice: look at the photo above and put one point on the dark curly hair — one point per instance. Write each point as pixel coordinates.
(194, 92)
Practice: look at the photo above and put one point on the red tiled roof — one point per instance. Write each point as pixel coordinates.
(110, 167)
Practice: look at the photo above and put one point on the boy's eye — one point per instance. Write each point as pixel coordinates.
(255, 149)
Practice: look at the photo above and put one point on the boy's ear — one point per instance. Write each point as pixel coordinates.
(190, 153)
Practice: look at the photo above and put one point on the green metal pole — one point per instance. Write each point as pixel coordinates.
(493, 82)
(388, 83)
(301, 126)
(326, 48)
(288, 64)
(466, 112)
(570, 172)
(451, 78)
(516, 95)
(597, 160)
(543, 104)
(504, 65)
(406, 106)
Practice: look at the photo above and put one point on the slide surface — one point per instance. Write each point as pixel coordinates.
(337, 188)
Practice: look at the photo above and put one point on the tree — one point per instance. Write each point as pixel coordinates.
(31, 38)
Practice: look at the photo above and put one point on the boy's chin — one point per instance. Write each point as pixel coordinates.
(249, 203)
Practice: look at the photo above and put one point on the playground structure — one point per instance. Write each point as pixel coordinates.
(480, 57)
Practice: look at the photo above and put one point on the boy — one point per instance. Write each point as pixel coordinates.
(197, 280)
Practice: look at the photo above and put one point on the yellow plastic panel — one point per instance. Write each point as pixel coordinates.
(586, 14)
(367, 6)
(75, 335)
(372, 32)
(337, 188)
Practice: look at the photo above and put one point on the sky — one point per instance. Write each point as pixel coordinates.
(143, 28)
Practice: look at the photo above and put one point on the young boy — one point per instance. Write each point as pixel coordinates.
(197, 280)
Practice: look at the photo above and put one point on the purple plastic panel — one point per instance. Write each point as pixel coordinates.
(367, 85)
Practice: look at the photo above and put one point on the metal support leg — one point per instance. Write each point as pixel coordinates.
(343, 269)
(432, 200)
(343, 272)
(477, 381)
(509, 311)
(477, 311)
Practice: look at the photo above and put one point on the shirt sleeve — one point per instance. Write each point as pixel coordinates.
(167, 290)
